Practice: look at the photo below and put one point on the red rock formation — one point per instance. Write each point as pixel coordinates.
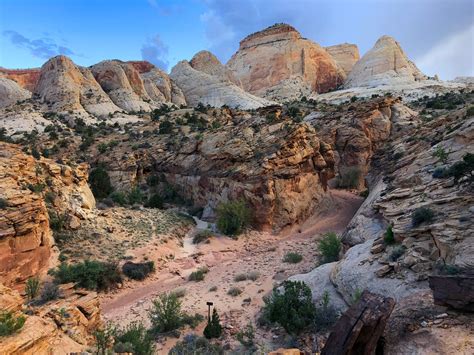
(26, 78)
(142, 66)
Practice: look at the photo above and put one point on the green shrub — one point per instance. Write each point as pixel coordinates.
(32, 288)
(180, 292)
(397, 252)
(470, 111)
(57, 221)
(3, 203)
(155, 201)
(36, 188)
(213, 328)
(389, 237)
(49, 292)
(119, 198)
(422, 215)
(234, 291)
(195, 345)
(292, 258)
(138, 271)
(349, 179)
(246, 337)
(330, 247)
(99, 182)
(253, 275)
(441, 154)
(165, 314)
(202, 236)
(135, 196)
(325, 315)
(10, 323)
(463, 168)
(134, 339)
(89, 274)
(166, 127)
(198, 275)
(233, 217)
(291, 307)
(152, 180)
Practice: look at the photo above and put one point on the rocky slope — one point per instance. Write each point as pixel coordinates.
(385, 64)
(25, 236)
(11, 92)
(277, 63)
(213, 88)
(345, 56)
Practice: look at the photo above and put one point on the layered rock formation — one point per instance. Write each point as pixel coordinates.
(59, 327)
(161, 88)
(11, 92)
(67, 87)
(208, 63)
(274, 62)
(25, 236)
(385, 64)
(25, 78)
(345, 55)
(212, 89)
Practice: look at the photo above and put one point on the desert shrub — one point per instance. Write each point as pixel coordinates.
(49, 197)
(10, 323)
(292, 258)
(35, 153)
(246, 337)
(213, 289)
(213, 328)
(36, 188)
(356, 296)
(253, 275)
(330, 247)
(57, 221)
(180, 292)
(99, 182)
(422, 215)
(195, 345)
(233, 217)
(32, 288)
(134, 339)
(349, 179)
(192, 320)
(440, 173)
(291, 307)
(463, 168)
(3, 203)
(470, 111)
(135, 196)
(202, 236)
(450, 269)
(89, 274)
(240, 277)
(397, 252)
(155, 201)
(234, 291)
(49, 292)
(325, 315)
(119, 198)
(138, 271)
(103, 340)
(198, 275)
(441, 154)
(166, 127)
(388, 237)
(152, 180)
(165, 314)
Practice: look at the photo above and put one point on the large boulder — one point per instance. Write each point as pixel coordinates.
(279, 54)
(385, 64)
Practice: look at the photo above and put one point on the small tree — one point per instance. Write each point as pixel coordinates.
(32, 288)
(389, 237)
(166, 314)
(99, 182)
(329, 246)
(233, 217)
(421, 215)
(134, 339)
(213, 328)
(10, 323)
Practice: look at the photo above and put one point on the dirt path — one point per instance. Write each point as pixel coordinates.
(226, 258)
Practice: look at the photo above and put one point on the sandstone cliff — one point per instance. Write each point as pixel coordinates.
(11, 92)
(25, 236)
(345, 55)
(209, 89)
(270, 58)
(385, 64)
(25, 78)
(208, 63)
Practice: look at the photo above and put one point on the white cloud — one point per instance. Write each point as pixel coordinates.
(451, 57)
(156, 52)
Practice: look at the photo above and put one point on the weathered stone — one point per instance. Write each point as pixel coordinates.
(456, 291)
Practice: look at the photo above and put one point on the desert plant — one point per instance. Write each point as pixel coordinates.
(213, 289)
(99, 182)
(166, 127)
(119, 198)
(32, 288)
(103, 340)
(240, 277)
(134, 339)
(165, 314)
(397, 252)
(422, 215)
(89, 274)
(3, 203)
(246, 337)
(470, 111)
(135, 196)
(10, 323)
(441, 154)
(49, 292)
(138, 271)
(155, 201)
(349, 179)
(463, 168)
(202, 236)
(195, 345)
(389, 237)
(292, 258)
(330, 247)
(233, 217)
(180, 292)
(253, 275)
(234, 291)
(198, 275)
(291, 307)
(213, 328)
(325, 315)
(57, 221)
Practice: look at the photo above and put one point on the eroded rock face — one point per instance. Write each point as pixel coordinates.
(268, 58)
(385, 64)
(345, 55)
(201, 87)
(25, 78)
(67, 87)
(208, 63)
(11, 92)
(160, 87)
(25, 236)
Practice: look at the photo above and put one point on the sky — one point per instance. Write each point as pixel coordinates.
(438, 35)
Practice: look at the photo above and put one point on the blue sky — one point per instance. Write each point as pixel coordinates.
(437, 34)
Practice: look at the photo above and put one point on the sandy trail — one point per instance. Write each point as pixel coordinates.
(226, 258)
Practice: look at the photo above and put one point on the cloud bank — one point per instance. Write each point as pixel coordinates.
(156, 52)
